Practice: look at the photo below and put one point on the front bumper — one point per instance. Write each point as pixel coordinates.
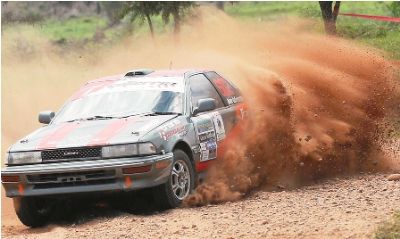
(87, 176)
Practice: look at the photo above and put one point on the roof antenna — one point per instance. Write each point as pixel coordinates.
(170, 65)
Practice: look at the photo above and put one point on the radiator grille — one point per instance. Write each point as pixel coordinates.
(73, 153)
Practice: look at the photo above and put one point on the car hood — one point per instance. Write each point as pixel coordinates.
(90, 133)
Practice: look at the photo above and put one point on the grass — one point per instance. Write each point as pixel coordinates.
(271, 10)
(72, 29)
(390, 230)
(383, 35)
(81, 29)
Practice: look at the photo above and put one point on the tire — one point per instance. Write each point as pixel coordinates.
(32, 211)
(172, 193)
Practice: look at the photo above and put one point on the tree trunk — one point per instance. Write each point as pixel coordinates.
(336, 11)
(98, 8)
(220, 5)
(329, 16)
(150, 25)
(177, 22)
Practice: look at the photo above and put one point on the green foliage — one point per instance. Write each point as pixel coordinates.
(394, 8)
(145, 10)
(175, 9)
(72, 29)
(139, 10)
(390, 230)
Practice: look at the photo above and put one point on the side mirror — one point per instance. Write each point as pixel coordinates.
(46, 116)
(203, 105)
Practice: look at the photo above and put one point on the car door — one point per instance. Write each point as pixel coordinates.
(234, 113)
(212, 126)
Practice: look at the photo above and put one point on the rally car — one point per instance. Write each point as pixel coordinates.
(143, 129)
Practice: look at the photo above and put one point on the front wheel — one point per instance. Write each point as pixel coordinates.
(180, 183)
(32, 211)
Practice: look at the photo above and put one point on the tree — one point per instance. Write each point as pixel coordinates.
(113, 11)
(177, 10)
(329, 15)
(142, 11)
(145, 9)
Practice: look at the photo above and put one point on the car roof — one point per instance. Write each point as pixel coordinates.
(177, 76)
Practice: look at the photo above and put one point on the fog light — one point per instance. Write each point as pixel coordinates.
(9, 178)
(21, 188)
(132, 170)
(127, 182)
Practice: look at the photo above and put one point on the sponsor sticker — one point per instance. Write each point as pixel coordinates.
(234, 100)
(180, 130)
(207, 137)
(173, 128)
(219, 126)
(149, 83)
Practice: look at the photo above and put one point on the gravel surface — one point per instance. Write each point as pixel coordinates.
(346, 207)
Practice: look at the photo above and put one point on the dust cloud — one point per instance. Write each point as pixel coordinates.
(318, 105)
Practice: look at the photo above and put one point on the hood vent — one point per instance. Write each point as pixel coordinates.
(141, 72)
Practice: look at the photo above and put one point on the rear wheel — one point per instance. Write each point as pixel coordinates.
(180, 183)
(32, 211)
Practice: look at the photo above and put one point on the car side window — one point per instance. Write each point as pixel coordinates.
(229, 92)
(201, 88)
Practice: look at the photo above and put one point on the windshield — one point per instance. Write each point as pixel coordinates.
(121, 104)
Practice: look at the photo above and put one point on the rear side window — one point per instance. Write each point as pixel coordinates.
(202, 88)
(230, 93)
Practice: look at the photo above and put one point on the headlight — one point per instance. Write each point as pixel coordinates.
(24, 157)
(146, 148)
(128, 150)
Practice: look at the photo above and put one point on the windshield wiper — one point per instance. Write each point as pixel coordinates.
(96, 117)
(164, 113)
(135, 114)
(150, 114)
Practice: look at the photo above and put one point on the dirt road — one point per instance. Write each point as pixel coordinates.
(347, 207)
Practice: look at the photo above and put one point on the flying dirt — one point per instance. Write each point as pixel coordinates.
(317, 106)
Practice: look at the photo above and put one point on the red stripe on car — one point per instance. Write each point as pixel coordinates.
(110, 131)
(51, 140)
